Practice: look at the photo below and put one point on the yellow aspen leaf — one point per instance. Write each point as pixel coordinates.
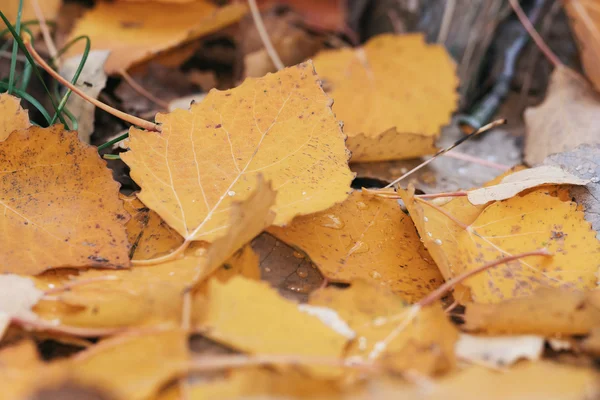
(280, 126)
(251, 317)
(525, 223)
(244, 263)
(12, 115)
(149, 236)
(547, 312)
(135, 32)
(402, 337)
(367, 238)
(134, 366)
(584, 17)
(60, 204)
(394, 95)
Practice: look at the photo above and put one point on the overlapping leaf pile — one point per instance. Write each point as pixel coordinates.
(169, 283)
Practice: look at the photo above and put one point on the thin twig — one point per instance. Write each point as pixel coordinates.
(459, 193)
(448, 285)
(476, 160)
(446, 21)
(113, 111)
(45, 32)
(264, 35)
(533, 33)
(484, 128)
(138, 88)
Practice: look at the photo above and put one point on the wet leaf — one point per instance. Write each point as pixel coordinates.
(567, 118)
(365, 238)
(280, 126)
(393, 95)
(12, 115)
(61, 205)
(403, 337)
(135, 32)
(240, 314)
(547, 312)
(519, 181)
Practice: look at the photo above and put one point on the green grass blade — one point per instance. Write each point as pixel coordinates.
(26, 96)
(15, 50)
(115, 140)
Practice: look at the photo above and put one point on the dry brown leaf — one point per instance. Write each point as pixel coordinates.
(280, 126)
(567, 118)
(17, 296)
(252, 317)
(585, 20)
(148, 234)
(61, 205)
(12, 115)
(386, 328)
(136, 32)
(365, 238)
(520, 181)
(547, 312)
(393, 95)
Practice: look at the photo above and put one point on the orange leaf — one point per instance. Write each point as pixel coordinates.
(252, 317)
(393, 95)
(61, 205)
(12, 115)
(547, 311)
(280, 126)
(135, 32)
(386, 328)
(365, 238)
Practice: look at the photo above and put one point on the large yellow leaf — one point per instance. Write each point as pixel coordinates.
(12, 115)
(60, 205)
(365, 238)
(387, 329)
(393, 95)
(134, 32)
(280, 126)
(252, 317)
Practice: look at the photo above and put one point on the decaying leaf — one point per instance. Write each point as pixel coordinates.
(568, 117)
(252, 317)
(546, 312)
(519, 181)
(584, 16)
(12, 115)
(148, 234)
(387, 329)
(393, 95)
(61, 205)
(17, 296)
(91, 81)
(584, 162)
(498, 351)
(135, 32)
(365, 238)
(280, 126)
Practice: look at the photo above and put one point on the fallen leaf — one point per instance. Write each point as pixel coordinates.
(393, 95)
(520, 181)
(17, 296)
(148, 234)
(136, 32)
(387, 329)
(585, 22)
(365, 238)
(546, 312)
(61, 205)
(320, 14)
(133, 366)
(91, 81)
(243, 262)
(49, 9)
(252, 317)
(498, 351)
(583, 162)
(12, 115)
(567, 118)
(280, 126)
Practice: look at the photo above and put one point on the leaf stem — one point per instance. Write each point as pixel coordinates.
(446, 213)
(450, 284)
(459, 193)
(119, 114)
(15, 49)
(264, 35)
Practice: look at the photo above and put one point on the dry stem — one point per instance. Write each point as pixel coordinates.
(264, 35)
